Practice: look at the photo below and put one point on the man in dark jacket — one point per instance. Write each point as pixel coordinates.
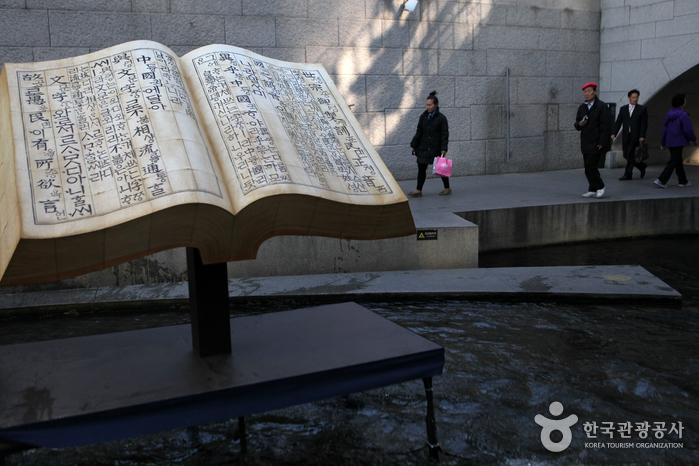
(431, 140)
(594, 123)
(634, 119)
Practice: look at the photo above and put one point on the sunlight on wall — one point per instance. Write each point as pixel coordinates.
(427, 34)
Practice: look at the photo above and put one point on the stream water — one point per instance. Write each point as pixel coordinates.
(505, 364)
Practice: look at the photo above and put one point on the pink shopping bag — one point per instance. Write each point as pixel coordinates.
(442, 166)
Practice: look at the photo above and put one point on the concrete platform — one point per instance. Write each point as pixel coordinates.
(624, 283)
(83, 390)
(495, 212)
(543, 208)
(484, 213)
(456, 247)
(512, 190)
(507, 211)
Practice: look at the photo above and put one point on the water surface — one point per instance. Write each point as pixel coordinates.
(505, 363)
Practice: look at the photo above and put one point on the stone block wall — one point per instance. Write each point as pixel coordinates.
(652, 46)
(646, 44)
(384, 60)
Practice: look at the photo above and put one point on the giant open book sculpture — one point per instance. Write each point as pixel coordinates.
(131, 150)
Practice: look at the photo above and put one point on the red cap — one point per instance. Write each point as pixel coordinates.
(592, 85)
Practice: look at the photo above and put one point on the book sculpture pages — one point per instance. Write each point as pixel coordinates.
(132, 150)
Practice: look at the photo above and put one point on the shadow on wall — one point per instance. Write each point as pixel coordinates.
(388, 74)
(387, 68)
(658, 105)
(462, 50)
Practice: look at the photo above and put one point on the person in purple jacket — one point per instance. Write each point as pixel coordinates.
(677, 132)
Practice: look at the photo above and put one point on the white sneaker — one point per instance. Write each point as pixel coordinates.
(685, 185)
(590, 194)
(600, 193)
(659, 184)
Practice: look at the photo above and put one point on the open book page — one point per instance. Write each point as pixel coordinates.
(105, 138)
(9, 208)
(280, 127)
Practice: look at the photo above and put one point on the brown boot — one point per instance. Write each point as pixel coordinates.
(416, 193)
(446, 192)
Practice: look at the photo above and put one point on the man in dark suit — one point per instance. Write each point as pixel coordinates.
(594, 122)
(634, 119)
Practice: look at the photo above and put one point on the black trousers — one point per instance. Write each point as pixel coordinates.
(422, 175)
(675, 163)
(592, 172)
(630, 156)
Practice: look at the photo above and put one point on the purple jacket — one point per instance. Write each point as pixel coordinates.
(677, 129)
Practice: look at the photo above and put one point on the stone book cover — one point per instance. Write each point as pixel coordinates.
(132, 150)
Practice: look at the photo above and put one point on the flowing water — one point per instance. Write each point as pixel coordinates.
(505, 363)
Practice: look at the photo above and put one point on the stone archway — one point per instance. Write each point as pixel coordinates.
(658, 80)
(669, 69)
(658, 105)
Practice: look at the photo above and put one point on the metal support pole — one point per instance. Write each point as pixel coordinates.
(432, 441)
(208, 300)
(243, 439)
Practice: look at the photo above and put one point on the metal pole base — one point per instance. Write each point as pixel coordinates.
(432, 441)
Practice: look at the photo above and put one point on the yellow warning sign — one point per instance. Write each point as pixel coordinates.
(423, 235)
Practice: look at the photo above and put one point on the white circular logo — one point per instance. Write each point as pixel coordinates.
(561, 425)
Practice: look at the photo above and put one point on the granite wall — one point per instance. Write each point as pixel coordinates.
(385, 61)
(652, 46)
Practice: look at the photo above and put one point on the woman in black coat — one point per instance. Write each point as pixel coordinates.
(431, 140)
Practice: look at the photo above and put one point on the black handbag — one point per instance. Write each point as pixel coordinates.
(641, 152)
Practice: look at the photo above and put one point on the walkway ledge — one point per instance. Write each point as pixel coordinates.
(619, 283)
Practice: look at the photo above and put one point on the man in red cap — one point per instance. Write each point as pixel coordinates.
(593, 120)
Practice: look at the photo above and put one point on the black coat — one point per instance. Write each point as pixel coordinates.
(597, 131)
(634, 125)
(431, 137)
